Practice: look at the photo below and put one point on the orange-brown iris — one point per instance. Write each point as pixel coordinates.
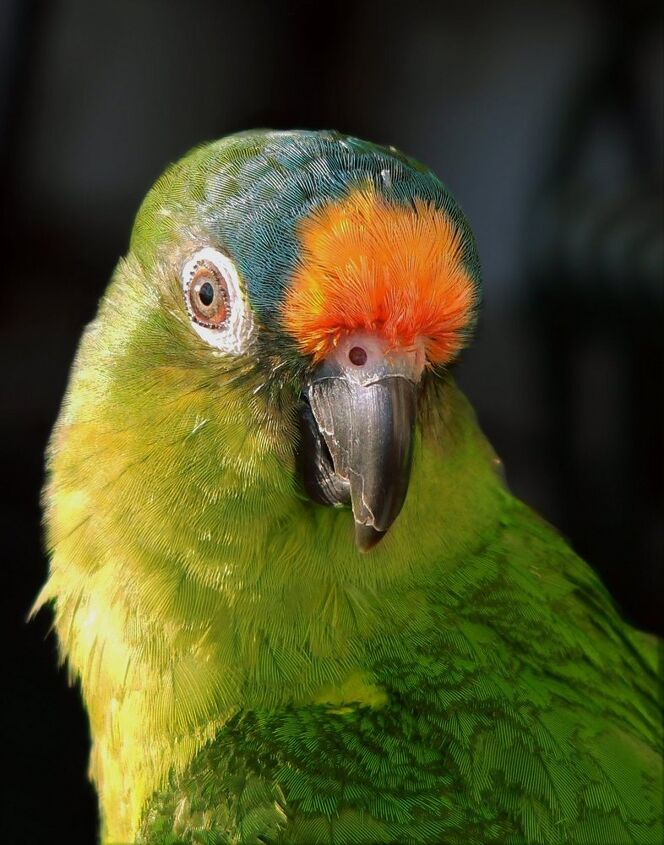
(207, 294)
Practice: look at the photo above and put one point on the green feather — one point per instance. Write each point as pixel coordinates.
(519, 727)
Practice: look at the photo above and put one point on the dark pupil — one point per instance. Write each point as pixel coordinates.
(206, 293)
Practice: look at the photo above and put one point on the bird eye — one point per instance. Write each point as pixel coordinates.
(216, 301)
(208, 295)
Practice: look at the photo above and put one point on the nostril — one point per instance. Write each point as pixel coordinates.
(358, 356)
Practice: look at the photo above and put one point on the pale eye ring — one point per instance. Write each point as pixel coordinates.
(216, 303)
(207, 295)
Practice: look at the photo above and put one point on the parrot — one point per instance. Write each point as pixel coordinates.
(285, 566)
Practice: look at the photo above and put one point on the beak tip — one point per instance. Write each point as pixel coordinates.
(366, 537)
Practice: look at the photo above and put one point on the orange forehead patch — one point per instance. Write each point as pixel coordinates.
(366, 264)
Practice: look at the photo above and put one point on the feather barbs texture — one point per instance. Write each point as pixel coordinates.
(373, 265)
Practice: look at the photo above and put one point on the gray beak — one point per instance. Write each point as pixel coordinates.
(357, 435)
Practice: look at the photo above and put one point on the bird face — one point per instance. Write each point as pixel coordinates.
(338, 267)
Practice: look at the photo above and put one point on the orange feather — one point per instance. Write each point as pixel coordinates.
(395, 270)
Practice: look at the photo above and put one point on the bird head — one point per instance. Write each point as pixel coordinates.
(287, 301)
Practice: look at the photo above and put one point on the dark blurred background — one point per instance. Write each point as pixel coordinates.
(545, 119)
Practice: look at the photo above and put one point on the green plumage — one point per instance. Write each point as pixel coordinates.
(250, 676)
(520, 709)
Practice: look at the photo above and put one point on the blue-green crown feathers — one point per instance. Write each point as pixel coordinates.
(252, 189)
